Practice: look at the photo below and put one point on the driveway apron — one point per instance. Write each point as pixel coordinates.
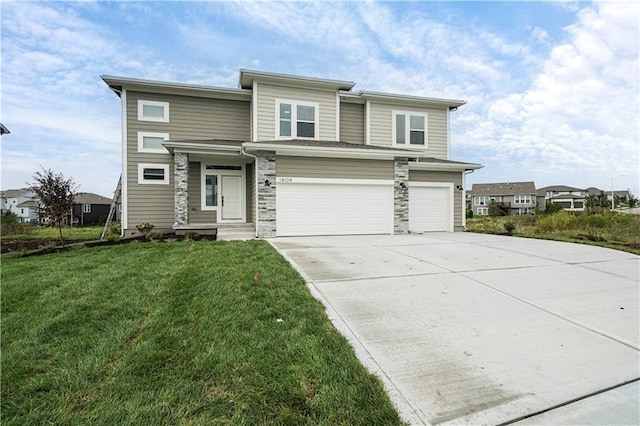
(468, 328)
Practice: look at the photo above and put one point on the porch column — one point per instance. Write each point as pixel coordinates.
(181, 179)
(401, 196)
(266, 193)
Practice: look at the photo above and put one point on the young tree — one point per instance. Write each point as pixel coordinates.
(55, 194)
(493, 208)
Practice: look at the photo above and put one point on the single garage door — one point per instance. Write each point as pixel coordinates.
(430, 207)
(307, 206)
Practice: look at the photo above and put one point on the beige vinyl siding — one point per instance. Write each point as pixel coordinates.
(455, 178)
(267, 95)
(337, 168)
(382, 127)
(352, 123)
(189, 118)
(196, 214)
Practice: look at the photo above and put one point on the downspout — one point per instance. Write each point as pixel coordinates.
(255, 182)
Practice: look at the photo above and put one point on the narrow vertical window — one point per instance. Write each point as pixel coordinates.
(211, 190)
(285, 119)
(400, 129)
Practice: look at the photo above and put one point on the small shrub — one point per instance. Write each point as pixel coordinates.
(145, 228)
(191, 236)
(556, 222)
(509, 227)
(469, 213)
(154, 236)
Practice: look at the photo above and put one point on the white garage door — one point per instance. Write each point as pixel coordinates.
(430, 207)
(306, 206)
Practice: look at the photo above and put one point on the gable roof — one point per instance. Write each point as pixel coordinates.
(561, 188)
(14, 193)
(503, 188)
(90, 198)
(28, 203)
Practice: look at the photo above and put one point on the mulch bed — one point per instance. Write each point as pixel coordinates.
(40, 247)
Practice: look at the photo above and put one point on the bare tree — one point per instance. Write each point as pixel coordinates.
(55, 194)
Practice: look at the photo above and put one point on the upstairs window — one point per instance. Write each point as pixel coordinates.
(153, 111)
(410, 128)
(296, 120)
(522, 199)
(152, 142)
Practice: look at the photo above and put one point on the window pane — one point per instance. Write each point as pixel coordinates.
(153, 111)
(306, 113)
(400, 129)
(285, 128)
(417, 137)
(153, 174)
(285, 111)
(416, 122)
(211, 190)
(306, 130)
(152, 142)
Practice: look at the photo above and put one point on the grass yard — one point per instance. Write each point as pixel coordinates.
(613, 230)
(175, 333)
(21, 231)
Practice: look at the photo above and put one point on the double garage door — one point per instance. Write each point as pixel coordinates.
(355, 206)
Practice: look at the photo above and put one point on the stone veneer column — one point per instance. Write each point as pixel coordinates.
(266, 197)
(401, 196)
(181, 179)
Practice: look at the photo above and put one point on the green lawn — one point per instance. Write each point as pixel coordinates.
(20, 231)
(175, 333)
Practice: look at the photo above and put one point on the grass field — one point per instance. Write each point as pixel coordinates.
(613, 230)
(20, 231)
(175, 333)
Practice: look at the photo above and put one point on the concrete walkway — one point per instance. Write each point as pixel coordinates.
(467, 328)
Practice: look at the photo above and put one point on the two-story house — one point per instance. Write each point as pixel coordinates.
(512, 198)
(20, 202)
(570, 198)
(287, 155)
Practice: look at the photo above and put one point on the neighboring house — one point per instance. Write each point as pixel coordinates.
(21, 202)
(90, 209)
(513, 198)
(570, 198)
(287, 155)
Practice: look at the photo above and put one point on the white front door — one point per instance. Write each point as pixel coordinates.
(231, 197)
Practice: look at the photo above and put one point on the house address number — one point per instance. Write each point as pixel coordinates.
(284, 179)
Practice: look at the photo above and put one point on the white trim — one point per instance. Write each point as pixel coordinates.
(142, 135)
(254, 119)
(286, 180)
(143, 181)
(163, 119)
(337, 117)
(323, 151)
(464, 201)
(86, 208)
(449, 136)
(407, 130)
(294, 118)
(482, 211)
(124, 217)
(450, 167)
(367, 124)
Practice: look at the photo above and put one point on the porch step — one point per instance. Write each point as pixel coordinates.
(236, 233)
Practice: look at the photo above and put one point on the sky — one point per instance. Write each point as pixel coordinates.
(552, 88)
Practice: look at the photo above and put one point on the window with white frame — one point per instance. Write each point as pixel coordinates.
(153, 174)
(152, 142)
(153, 111)
(86, 208)
(296, 119)
(522, 199)
(482, 200)
(410, 128)
(483, 211)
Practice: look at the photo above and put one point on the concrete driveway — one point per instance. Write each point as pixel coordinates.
(468, 328)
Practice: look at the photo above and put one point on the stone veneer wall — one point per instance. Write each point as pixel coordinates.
(266, 170)
(401, 196)
(181, 177)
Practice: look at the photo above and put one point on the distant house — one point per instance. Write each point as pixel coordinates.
(20, 202)
(513, 198)
(90, 209)
(570, 198)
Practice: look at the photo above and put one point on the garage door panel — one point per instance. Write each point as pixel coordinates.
(430, 209)
(333, 209)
